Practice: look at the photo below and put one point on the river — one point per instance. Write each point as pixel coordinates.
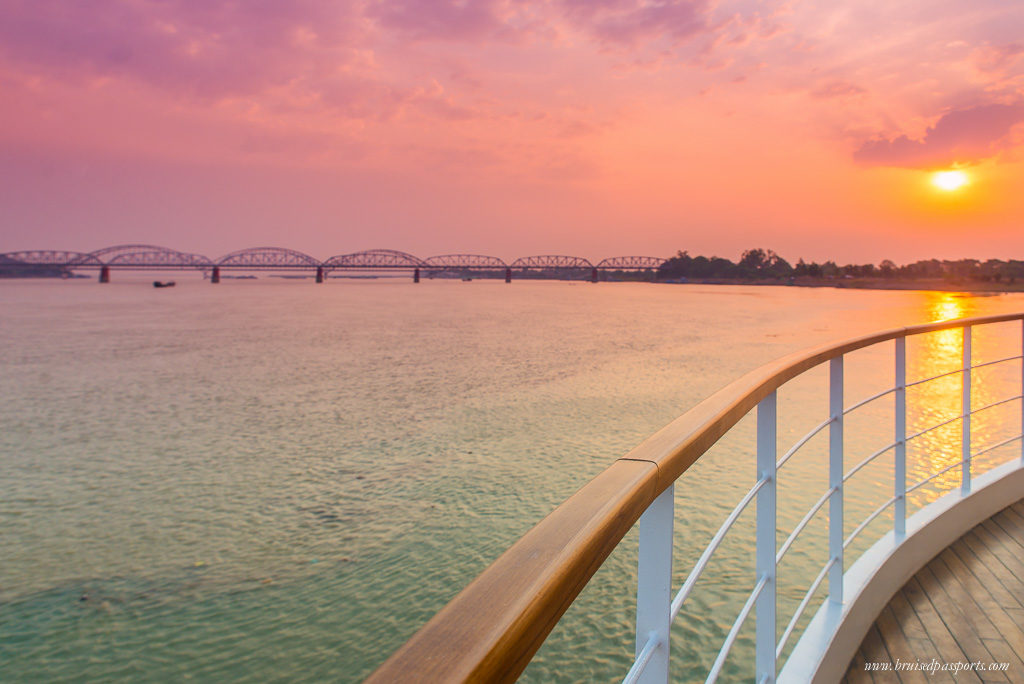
(273, 480)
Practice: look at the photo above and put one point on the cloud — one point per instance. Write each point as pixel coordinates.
(989, 57)
(627, 23)
(217, 49)
(208, 47)
(442, 19)
(612, 23)
(961, 136)
(360, 59)
(836, 88)
(301, 57)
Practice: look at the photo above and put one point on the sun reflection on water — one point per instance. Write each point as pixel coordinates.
(939, 400)
(936, 401)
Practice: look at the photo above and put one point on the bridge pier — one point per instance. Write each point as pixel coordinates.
(593, 275)
(319, 274)
(104, 274)
(416, 275)
(508, 275)
(215, 276)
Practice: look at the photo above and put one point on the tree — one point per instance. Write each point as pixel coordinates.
(763, 263)
(679, 266)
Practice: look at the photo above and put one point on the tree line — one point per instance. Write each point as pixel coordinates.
(765, 264)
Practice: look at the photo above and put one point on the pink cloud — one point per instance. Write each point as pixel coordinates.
(627, 23)
(960, 136)
(442, 19)
(996, 57)
(619, 23)
(299, 58)
(208, 47)
(836, 88)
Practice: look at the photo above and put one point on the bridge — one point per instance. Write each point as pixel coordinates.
(141, 257)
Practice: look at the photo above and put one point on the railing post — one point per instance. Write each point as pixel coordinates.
(654, 585)
(1022, 392)
(766, 548)
(965, 412)
(900, 423)
(835, 479)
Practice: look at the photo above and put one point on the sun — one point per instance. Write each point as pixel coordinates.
(949, 180)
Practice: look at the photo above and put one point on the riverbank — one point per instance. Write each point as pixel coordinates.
(933, 284)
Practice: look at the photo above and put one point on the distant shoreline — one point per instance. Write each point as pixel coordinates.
(930, 284)
(838, 282)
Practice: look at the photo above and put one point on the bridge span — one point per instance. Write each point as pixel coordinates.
(141, 257)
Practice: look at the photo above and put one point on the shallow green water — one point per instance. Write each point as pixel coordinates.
(276, 481)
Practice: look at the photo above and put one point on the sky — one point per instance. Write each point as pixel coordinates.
(593, 128)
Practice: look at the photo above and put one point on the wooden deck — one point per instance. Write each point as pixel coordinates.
(966, 605)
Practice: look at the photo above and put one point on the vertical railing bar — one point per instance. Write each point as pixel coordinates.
(1022, 391)
(654, 586)
(835, 477)
(900, 429)
(965, 412)
(765, 538)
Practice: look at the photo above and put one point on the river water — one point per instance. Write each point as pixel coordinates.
(272, 480)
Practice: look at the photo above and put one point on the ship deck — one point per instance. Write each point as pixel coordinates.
(966, 605)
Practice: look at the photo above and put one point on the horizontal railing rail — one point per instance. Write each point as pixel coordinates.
(492, 629)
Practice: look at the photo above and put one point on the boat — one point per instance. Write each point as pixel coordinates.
(158, 283)
(491, 630)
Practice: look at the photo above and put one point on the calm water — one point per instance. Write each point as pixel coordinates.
(272, 480)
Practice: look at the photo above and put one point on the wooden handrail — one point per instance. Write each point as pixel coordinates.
(493, 627)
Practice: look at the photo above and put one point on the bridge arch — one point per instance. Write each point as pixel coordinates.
(112, 252)
(267, 257)
(375, 258)
(145, 257)
(50, 257)
(631, 263)
(551, 261)
(476, 261)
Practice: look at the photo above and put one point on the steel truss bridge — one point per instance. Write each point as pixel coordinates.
(137, 257)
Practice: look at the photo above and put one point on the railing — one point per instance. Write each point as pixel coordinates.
(492, 629)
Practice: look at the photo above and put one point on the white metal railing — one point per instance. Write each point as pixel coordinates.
(494, 626)
(656, 608)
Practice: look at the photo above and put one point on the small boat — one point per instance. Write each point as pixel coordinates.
(157, 283)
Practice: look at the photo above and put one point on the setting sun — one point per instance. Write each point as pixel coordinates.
(949, 180)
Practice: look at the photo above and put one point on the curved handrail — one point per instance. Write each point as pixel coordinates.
(493, 627)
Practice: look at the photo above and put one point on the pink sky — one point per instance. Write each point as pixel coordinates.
(510, 127)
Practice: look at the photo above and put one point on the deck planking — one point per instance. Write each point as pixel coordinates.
(965, 605)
